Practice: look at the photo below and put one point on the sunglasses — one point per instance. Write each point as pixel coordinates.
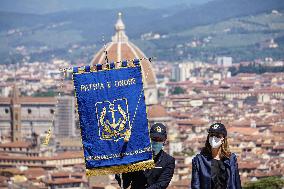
(215, 135)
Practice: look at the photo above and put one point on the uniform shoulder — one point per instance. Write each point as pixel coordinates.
(197, 157)
(168, 156)
(233, 157)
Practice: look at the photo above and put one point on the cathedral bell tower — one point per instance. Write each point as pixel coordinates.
(15, 115)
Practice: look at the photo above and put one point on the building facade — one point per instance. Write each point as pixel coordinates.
(65, 117)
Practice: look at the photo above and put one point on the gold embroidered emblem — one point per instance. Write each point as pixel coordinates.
(113, 120)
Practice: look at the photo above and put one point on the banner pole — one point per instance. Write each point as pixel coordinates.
(70, 69)
(120, 175)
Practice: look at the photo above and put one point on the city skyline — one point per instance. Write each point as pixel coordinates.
(186, 95)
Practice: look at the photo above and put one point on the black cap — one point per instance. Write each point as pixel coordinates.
(158, 130)
(218, 128)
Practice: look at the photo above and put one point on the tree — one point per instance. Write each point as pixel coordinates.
(178, 90)
(266, 183)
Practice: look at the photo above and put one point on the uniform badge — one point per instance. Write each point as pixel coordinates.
(158, 129)
(216, 126)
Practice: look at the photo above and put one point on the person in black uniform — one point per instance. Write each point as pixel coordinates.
(158, 177)
(215, 167)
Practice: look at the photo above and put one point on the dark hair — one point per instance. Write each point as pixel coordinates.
(225, 151)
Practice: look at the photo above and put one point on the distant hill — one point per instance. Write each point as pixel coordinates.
(49, 6)
(244, 38)
(213, 12)
(141, 20)
(232, 27)
(10, 20)
(92, 23)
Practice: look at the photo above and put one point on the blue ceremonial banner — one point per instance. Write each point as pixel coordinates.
(113, 119)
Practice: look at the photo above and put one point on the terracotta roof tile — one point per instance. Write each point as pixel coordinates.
(278, 129)
(33, 173)
(243, 130)
(64, 181)
(18, 144)
(38, 100)
(248, 165)
(59, 156)
(157, 111)
(192, 122)
(30, 100)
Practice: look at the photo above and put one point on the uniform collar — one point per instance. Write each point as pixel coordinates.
(209, 158)
(158, 157)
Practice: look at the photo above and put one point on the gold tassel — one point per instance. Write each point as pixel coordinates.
(121, 168)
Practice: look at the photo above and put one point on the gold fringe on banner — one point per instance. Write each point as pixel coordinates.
(149, 164)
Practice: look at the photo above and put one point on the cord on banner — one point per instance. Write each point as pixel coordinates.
(48, 135)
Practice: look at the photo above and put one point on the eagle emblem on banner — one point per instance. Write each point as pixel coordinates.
(113, 119)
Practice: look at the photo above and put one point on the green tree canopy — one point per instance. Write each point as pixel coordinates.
(178, 90)
(266, 183)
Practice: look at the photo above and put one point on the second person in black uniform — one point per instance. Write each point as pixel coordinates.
(158, 177)
(215, 167)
